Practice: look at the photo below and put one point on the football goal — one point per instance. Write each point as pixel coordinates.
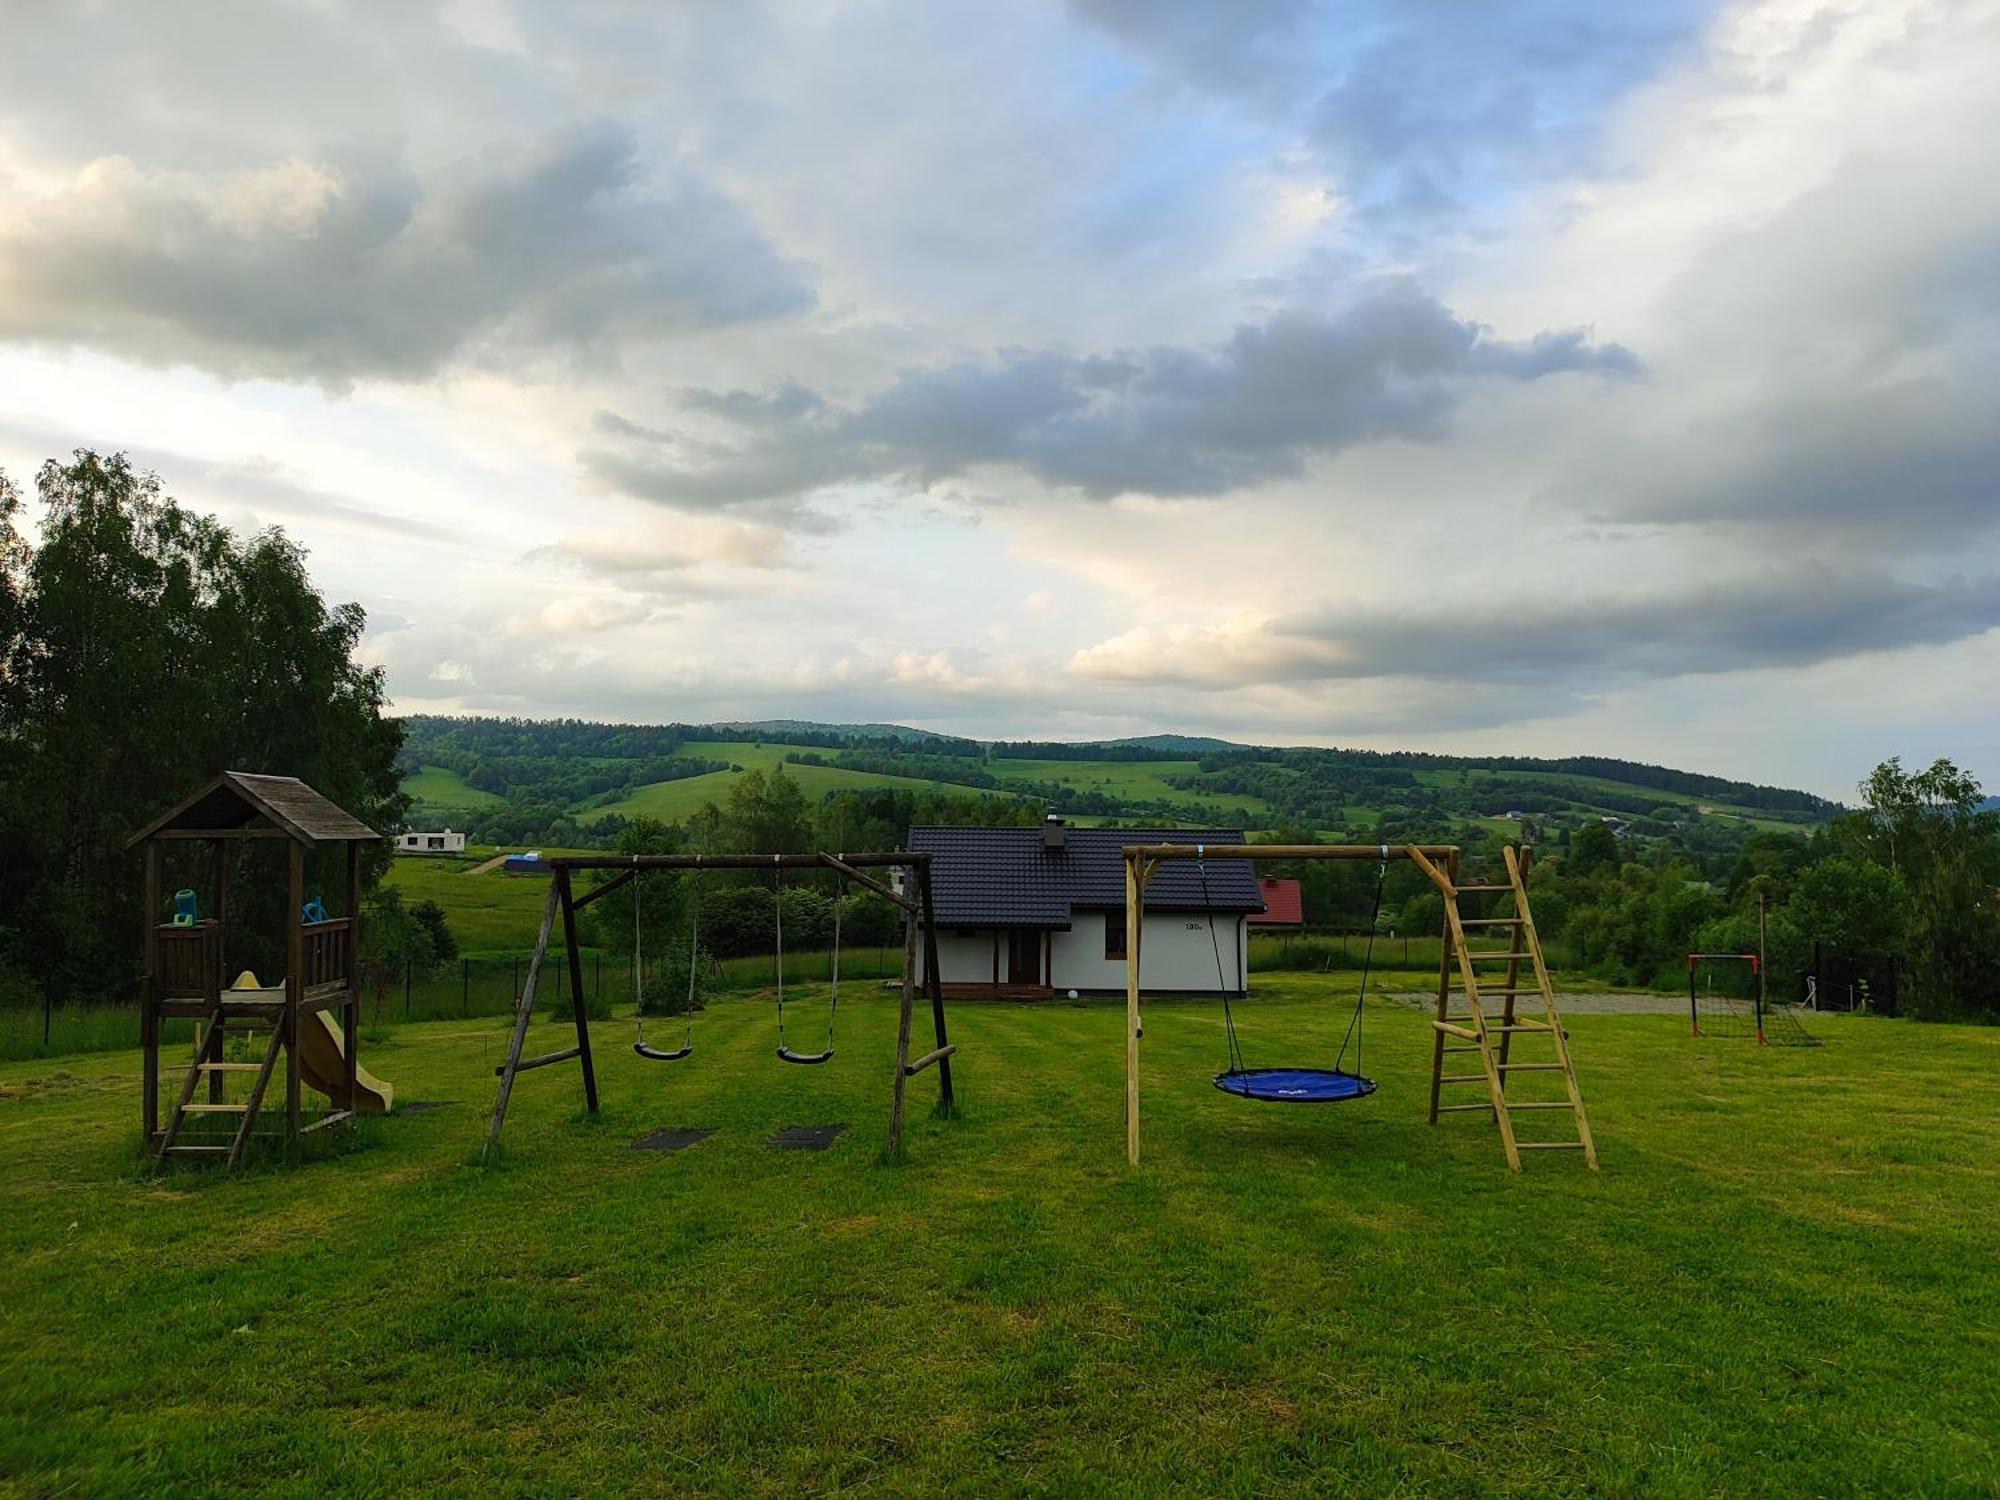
(1726, 999)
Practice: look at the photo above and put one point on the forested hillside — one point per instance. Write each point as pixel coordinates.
(1637, 864)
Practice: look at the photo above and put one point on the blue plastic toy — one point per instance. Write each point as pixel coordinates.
(312, 911)
(184, 908)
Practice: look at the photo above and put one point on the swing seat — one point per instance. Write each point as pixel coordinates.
(654, 1054)
(804, 1059)
(1295, 1085)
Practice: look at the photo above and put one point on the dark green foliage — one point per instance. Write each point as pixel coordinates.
(145, 649)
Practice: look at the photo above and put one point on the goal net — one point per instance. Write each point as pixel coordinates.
(1726, 999)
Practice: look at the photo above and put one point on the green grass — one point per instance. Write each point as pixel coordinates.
(676, 801)
(1137, 781)
(1780, 1282)
(494, 912)
(437, 787)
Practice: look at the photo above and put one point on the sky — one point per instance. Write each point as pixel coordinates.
(1490, 378)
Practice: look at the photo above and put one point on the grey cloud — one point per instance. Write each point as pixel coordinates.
(1163, 421)
(1794, 619)
(333, 271)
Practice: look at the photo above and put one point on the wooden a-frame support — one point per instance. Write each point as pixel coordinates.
(920, 971)
(1453, 1032)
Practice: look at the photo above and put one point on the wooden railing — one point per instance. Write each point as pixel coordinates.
(190, 961)
(329, 953)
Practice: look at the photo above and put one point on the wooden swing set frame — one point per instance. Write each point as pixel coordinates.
(920, 970)
(1468, 1031)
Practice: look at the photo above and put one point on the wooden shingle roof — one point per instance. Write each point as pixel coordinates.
(235, 799)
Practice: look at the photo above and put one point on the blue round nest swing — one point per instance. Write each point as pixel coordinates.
(1295, 1085)
(1331, 1085)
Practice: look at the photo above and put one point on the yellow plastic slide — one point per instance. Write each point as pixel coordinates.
(323, 1065)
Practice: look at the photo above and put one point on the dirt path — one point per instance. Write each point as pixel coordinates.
(492, 864)
(1580, 1003)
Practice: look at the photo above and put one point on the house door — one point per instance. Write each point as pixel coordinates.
(1024, 958)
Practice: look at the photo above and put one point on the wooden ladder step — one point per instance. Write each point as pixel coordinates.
(1459, 1109)
(1506, 1067)
(1461, 889)
(227, 1067)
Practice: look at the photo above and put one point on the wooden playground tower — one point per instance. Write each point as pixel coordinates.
(920, 967)
(1467, 1031)
(186, 962)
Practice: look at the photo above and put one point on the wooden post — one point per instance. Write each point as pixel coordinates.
(350, 1013)
(1133, 896)
(1438, 1038)
(1759, 979)
(524, 1010)
(149, 997)
(904, 1011)
(295, 963)
(212, 1045)
(934, 987)
(578, 1009)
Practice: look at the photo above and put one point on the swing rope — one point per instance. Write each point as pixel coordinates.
(655, 1054)
(1294, 1085)
(785, 1053)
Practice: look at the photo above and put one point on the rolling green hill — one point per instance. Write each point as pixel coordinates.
(572, 779)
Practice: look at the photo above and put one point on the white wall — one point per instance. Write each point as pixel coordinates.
(1178, 956)
(967, 959)
(1175, 948)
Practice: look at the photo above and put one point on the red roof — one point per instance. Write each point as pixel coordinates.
(1282, 905)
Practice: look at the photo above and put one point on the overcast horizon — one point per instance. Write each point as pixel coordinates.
(1542, 379)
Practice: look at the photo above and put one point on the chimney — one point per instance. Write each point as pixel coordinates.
(1052, 831)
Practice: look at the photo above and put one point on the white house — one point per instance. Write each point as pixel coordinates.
(1041, 910)
(430, 843)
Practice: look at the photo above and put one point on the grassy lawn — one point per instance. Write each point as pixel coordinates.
(676, 801)
(1138, 781)
(439, 787)
(1781, 1282)
(488, 913)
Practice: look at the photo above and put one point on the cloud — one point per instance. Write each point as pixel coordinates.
(1421, 113)
(1165, 421)
(336, 268)
(675, 556)
(1794, 619)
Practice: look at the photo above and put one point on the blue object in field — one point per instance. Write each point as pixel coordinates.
(1295, 1085)
(530, 863)
(184, 908)
(313, 911)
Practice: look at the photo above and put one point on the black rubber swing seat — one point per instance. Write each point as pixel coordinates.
(803, 1059)
(654, 1054)
(1295, 1085)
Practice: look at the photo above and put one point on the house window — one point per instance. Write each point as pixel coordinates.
(1114, 935)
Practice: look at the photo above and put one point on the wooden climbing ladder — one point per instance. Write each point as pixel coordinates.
(1470, 980)
(210, 1066)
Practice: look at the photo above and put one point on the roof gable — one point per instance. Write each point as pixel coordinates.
(1006, 877)
(236, 798)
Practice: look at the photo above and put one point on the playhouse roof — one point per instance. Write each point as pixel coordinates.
(235, 799)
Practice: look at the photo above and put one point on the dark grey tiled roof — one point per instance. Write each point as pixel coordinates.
(1004, 877)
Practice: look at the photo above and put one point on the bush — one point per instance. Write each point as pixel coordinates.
(666, 991)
